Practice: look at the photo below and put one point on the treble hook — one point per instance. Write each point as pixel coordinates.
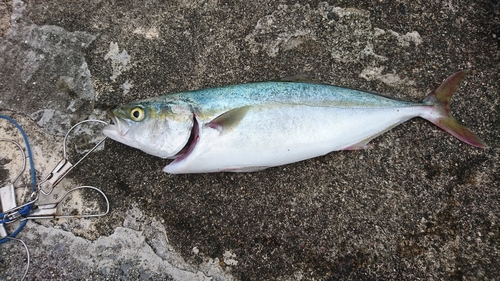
(49, 211)
(64, 166)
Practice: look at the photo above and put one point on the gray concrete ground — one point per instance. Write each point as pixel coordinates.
(417, 205)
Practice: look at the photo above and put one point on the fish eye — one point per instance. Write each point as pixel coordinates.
(137, 114)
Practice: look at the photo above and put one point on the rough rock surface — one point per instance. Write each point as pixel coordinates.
(418, 204)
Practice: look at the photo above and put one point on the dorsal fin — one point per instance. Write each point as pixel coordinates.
(295, 78)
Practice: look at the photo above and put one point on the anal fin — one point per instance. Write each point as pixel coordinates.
(363, 144)
(359, 145)
(246, 169)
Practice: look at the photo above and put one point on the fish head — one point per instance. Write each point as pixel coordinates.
(161, 129)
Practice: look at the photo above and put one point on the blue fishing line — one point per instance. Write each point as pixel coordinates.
(26, 209)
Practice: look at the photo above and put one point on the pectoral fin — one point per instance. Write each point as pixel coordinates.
(227, 121)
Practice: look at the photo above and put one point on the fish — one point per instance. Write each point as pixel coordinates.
(253, 126)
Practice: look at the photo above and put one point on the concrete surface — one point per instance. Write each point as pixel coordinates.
(417, 205)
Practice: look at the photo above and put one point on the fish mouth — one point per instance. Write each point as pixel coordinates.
(117, 129)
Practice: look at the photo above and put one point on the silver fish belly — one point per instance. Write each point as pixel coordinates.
(250, 127)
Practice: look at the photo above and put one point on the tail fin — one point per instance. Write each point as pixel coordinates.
(441, 117)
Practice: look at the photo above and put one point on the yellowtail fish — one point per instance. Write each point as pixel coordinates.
(250, 127)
